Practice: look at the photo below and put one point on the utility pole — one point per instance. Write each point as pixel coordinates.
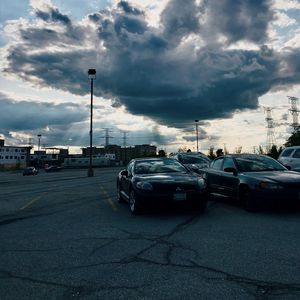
(294, 111)
(107, 136)
(270, 127)
(39, 144)
(124, 145)
(92, 77)
(197, 135)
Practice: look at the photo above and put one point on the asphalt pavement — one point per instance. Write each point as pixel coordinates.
(64, 236)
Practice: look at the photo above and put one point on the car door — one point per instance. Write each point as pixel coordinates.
(295, 160)
(213, 176)
(286, 156)
(125, 180)
(229, 181)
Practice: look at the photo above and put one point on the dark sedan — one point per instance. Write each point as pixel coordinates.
(193, 161)
(30, 171)
(159, 181)
(255, 180)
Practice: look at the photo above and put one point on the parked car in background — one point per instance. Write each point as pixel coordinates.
(193, 161)
(30, 171)
(154, 181)
(255, 180)
(53, 169)
(290, 157)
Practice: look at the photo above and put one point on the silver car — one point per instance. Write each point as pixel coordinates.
(290, 157)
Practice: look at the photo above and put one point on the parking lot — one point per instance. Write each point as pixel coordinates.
(64, 236)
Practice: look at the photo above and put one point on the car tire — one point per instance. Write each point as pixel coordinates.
(247, 201)
(119, 196)
(134, 204)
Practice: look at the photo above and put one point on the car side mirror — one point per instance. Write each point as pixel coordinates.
(288, 167)
(231, 170)
(124, 173)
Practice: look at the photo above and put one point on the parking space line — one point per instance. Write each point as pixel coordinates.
(33, 201)
(108, 198)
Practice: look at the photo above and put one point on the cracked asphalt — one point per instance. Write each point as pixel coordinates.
(64, 236)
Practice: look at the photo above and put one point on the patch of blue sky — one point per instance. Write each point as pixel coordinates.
(78, 9)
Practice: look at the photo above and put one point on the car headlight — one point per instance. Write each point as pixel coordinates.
(201, 183)
(144, 185)
(270, 185)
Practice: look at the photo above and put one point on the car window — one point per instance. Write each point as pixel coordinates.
(257, 164)
(193, 160)
(130, 167)
(228, 163)
(286, 152)
(217, 164)
(158, 166)
(297, 154)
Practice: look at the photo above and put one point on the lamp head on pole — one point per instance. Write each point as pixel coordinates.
(92, 73)
(196, 121)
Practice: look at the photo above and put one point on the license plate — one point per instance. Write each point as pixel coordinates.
(179, 196)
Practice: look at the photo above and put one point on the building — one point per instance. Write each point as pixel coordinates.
(49, 156)
(13, 157)
(122, 154)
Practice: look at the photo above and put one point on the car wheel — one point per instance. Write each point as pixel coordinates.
(248, 202)
(119, 196)
(134, 204)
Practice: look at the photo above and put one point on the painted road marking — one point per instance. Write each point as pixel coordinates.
(33, 201)
(108, 199)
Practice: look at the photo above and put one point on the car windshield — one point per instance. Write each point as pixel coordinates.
(158, 166)
(257, 164)
(194, 160)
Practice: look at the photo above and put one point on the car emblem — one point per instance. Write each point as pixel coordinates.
(178, 189)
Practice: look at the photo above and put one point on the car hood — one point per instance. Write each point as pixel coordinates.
(276, 176)
(168, 177)
(199, 166)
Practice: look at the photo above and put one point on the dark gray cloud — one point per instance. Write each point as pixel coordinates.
(175, 73)
(30, 115)
(239, 19)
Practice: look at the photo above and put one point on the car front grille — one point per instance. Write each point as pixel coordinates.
(173, 187)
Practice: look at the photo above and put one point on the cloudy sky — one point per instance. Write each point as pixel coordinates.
(161, 64)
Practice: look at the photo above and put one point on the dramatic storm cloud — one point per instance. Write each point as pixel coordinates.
(25, 115)
(189, 67)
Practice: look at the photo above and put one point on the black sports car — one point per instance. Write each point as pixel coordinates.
(255, 180)
(149, 181)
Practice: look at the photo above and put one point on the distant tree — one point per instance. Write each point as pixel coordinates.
(261, 150)
(219, 152)
(211, 153)
(225, 150)
(238, 149)
(162, 153)
(274, 152)
(294, 139)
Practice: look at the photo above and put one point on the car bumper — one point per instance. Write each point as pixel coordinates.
(152, 198)
(277, 197)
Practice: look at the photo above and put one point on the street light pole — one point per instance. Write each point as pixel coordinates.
(196, 121)
(39, 144)
(92, 76)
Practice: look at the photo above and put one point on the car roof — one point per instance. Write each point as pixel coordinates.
(291, 147)
(243, 155)
(151, 158)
